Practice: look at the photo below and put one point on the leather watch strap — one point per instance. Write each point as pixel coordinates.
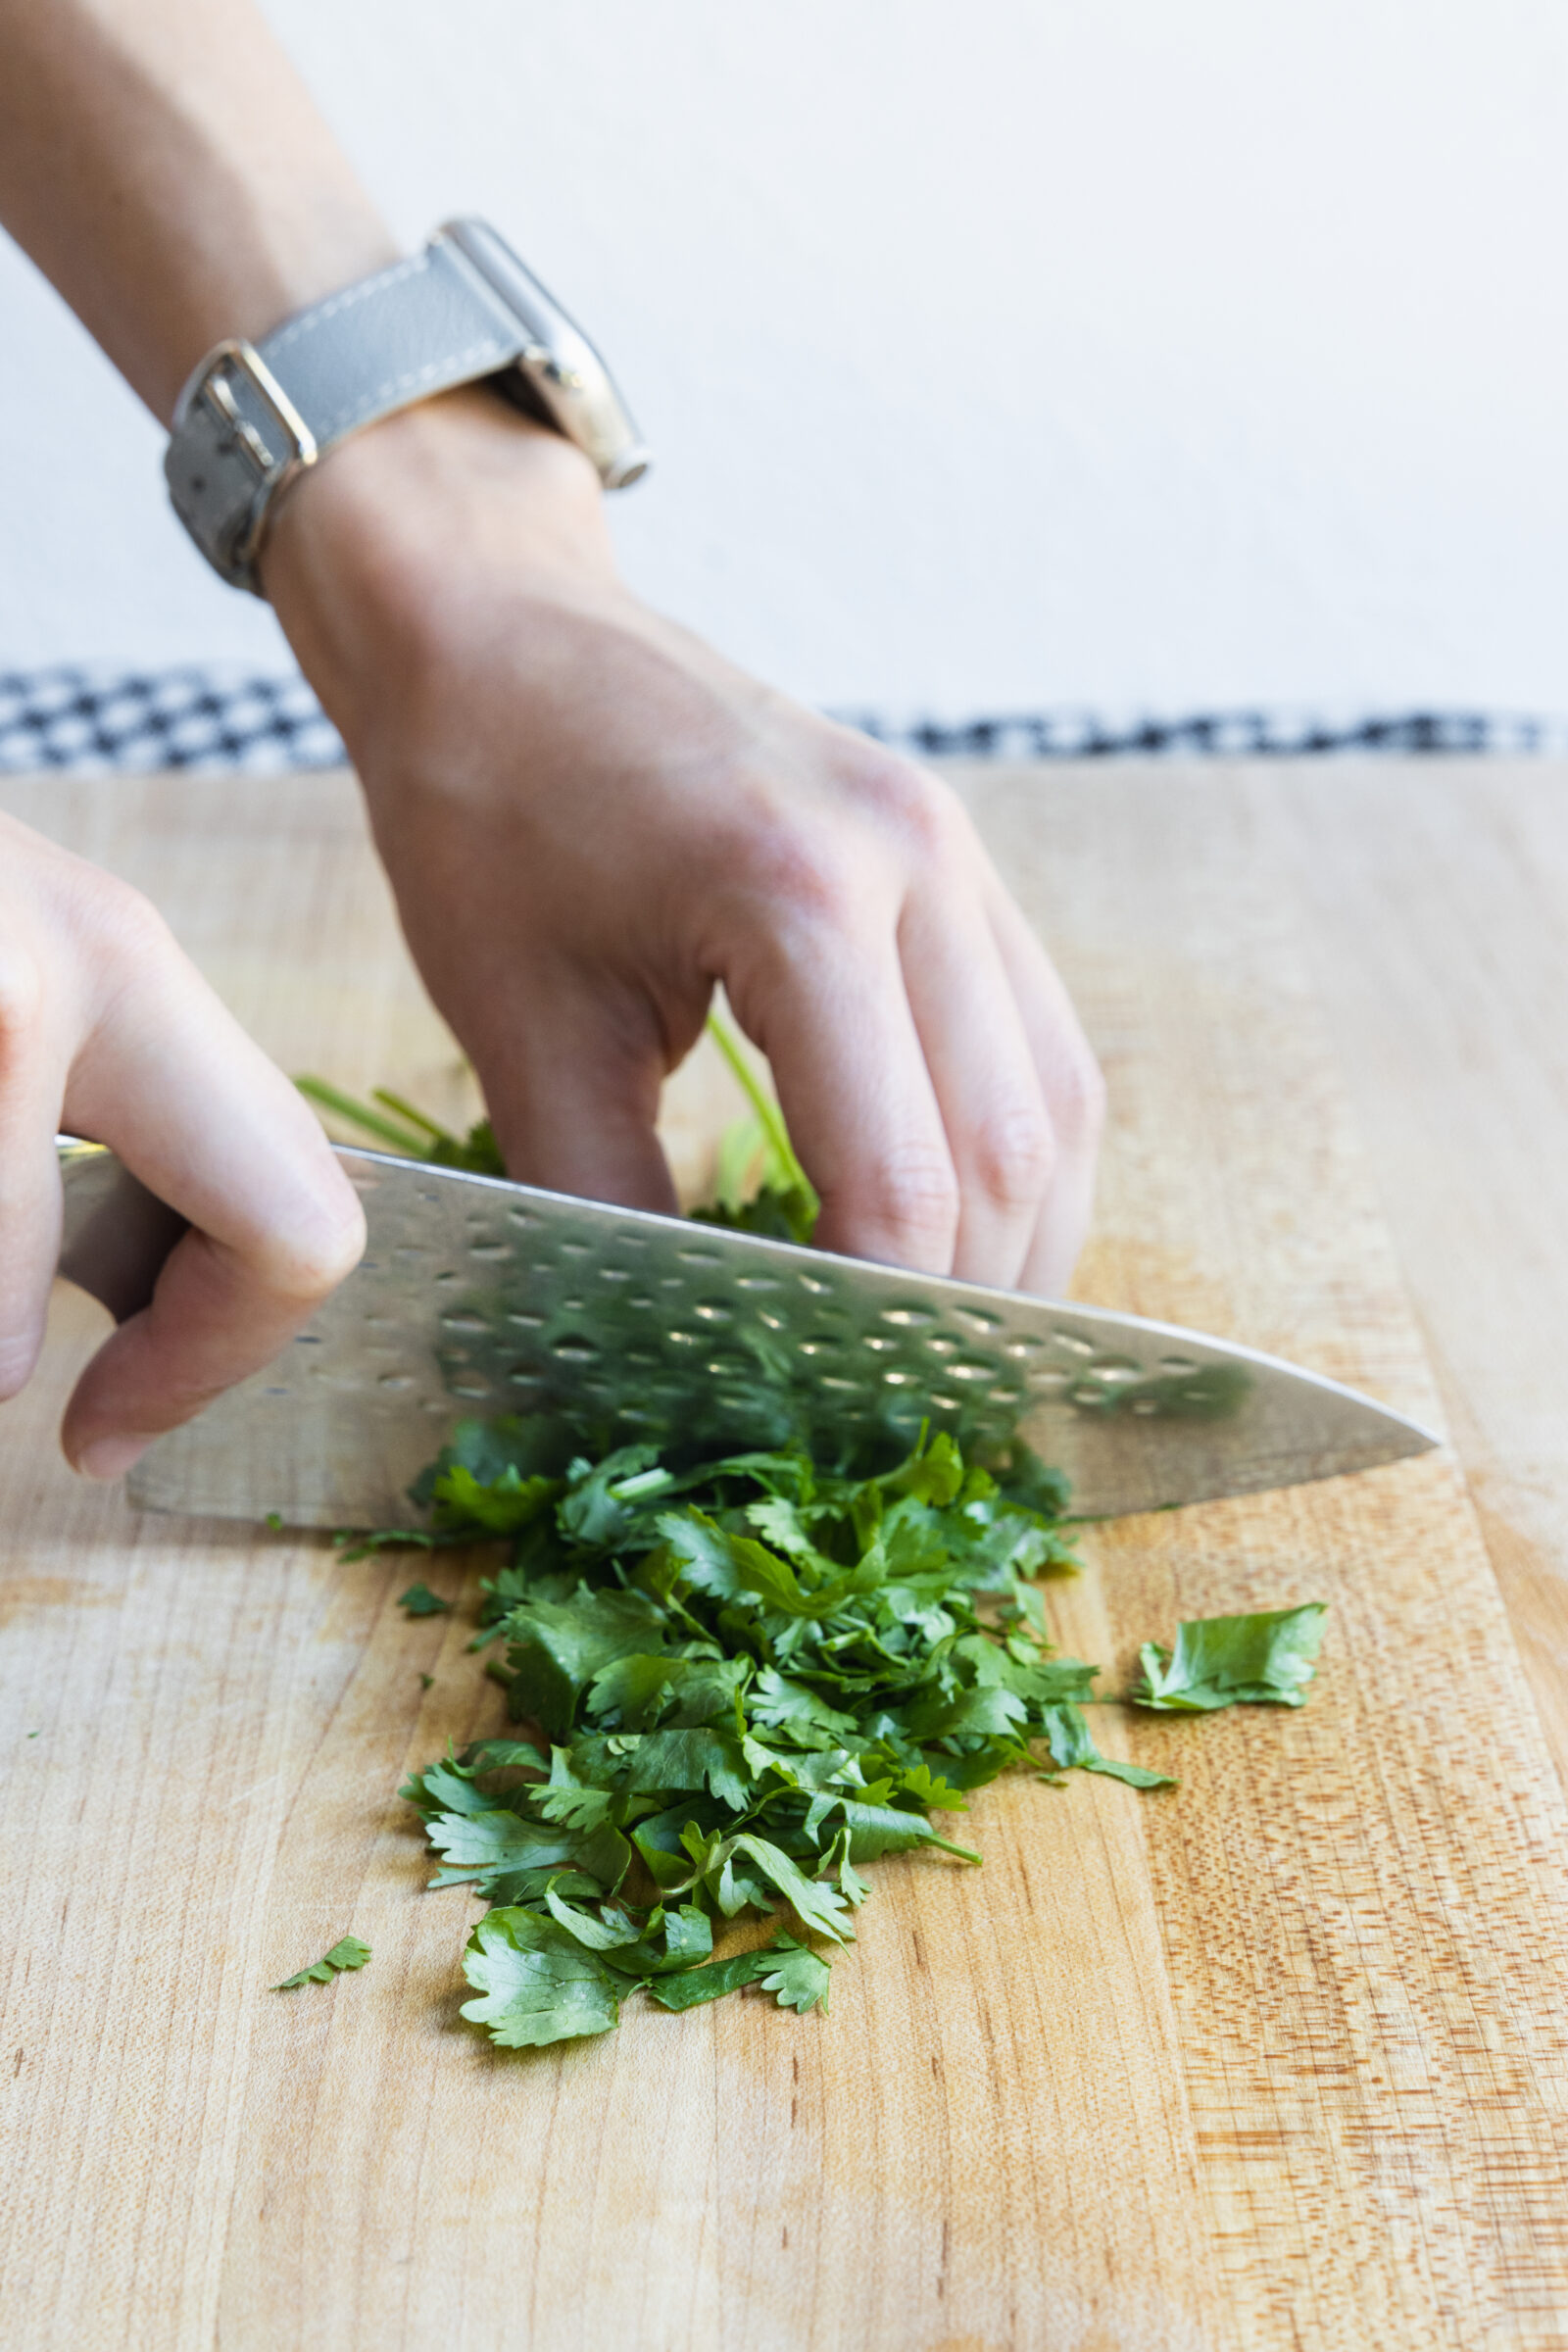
(253, 417)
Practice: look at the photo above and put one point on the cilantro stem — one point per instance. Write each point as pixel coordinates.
(359, 1114)
(645, 1483)
(766, 1109)
(963, 1851)
(406, 1111)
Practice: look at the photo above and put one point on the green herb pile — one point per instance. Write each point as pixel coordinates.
(739, 1681)
(748, 1679)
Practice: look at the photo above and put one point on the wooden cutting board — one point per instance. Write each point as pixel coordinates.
(1279, 2059)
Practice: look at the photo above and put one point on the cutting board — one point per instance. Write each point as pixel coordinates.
(1278, 2059)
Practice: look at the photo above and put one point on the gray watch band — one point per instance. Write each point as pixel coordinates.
(252, 418)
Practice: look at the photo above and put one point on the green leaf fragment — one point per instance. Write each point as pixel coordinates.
(348, 1954)
(1073, 1748)
(1266, 1658)
(499, 1505)
(536, 1980)
(419, 1601)
(557, 1647)
(815, 1904)
(799, 1980)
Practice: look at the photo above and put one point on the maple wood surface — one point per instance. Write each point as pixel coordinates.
(1279, 2059)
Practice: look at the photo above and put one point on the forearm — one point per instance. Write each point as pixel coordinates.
(588, 817)
(165, 167)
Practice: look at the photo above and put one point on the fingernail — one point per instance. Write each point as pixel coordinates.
(110, 1457)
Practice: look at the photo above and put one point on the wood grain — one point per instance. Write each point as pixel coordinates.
(1279, 2059)
(1436, 913)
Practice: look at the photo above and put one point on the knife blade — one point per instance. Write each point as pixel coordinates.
(478, 1297)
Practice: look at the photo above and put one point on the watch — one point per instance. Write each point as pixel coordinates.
(254, 416)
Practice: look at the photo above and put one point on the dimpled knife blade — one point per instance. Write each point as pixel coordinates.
(477, 1299)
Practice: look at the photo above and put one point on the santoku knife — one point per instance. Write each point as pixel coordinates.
(479, 1297)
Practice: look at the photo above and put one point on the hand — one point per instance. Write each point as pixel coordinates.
(589, 819)
(107, 1031)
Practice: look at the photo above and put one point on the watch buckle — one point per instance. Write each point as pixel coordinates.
(236, 357)
(243, 359)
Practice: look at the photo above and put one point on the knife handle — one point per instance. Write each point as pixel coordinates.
(116, 1234)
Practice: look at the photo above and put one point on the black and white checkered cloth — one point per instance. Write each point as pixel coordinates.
(93, 722)
(1279, 734)
(90, 722)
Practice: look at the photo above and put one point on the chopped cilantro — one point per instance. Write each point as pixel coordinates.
(350, 1953)
(1266, 1658)
(421, 1601)
(739, 1680)
(751, 1678)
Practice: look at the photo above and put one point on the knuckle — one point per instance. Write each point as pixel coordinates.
(1078, 1098)
(905, 801)
(912, 1196)
(802, 873)
(120, 921)
(1014, 1156)
(22, 994)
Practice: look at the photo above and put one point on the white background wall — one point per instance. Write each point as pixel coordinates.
(1021, 354)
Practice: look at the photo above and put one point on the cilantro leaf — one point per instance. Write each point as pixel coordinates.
(485, 1846)
(695, 1759)
(537, 1983)
(510, 1856)
(499, 1505)
(800, 1979)
(795, 1974)
(1266, 1658)
(557, 1647)
(421, 1601)
(349, 1953)
(602, 1501)
(781, 1213)
(1072, 1747)
(817, 1903)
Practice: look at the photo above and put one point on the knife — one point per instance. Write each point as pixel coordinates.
(478, 1297)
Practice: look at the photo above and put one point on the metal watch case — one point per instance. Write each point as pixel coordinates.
(245, 429)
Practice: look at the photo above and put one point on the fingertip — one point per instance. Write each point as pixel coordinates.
(320, 1246)
(20, 1352)
(106, 1458)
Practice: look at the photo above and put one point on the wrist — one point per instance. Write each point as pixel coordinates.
(374, 556)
